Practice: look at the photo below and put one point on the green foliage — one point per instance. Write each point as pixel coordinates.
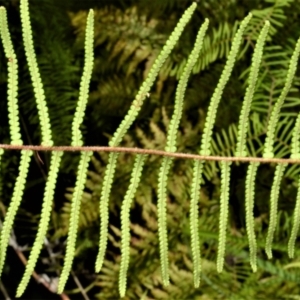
(129, 47)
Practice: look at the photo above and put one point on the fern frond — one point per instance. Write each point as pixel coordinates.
(269, 151)
(147, 84)
(125, 221)
(194, 220)
(35, 75)
(212, 109)
(44, 222)
(85, 80)
(171, 147)
(126, 123)
(225, 183)
(249, 205)
(244, 116)
(296, 224)
(13, 109)
(14, 204)
(75, 208)
(104, 208)
(162, 218)
(280, 168)
(295, 147)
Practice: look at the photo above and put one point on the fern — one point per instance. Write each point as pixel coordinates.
(166, 163)
(43, 225)
(225, 178)
(125, 124)
(13, 110)
(35, 75)
(269, 152)
(125, 221)
(72, 234)
(14, 204)
(243, 122)
(249, 205)
(280, 168)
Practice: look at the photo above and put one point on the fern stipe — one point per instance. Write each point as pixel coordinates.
(126, 123)
(225, 183)
(14, 204)
(74, 218)
(249, 205)
(44, 222)
(125, 221)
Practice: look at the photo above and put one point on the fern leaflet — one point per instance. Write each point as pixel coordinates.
(14, 204)
(280, 168)
(225, 181)
(125, 221)
(75, 209)
(45, 218)
(125, 124)
(249, 205)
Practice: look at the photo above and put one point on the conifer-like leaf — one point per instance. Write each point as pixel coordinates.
(125, 124)
(269, 143)
(85, 80)
(14, 204)
(75, 209)
(244, 116)
(171, 147)
(44, 222)
(12, 93)
(35, 75)
(249, 205)
(125, 221)
(216, 97)
(296, 224)
(225, 182)
(280, 168)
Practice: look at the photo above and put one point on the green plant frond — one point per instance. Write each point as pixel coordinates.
(295, 146)
(104, 208)
(13, 110)
(244, 116)
(268, 151)
(14, 204)
(125, 124)
(225, 184)
(180, 91)
(194, 220)
(75, 208)
(44, 222)
(171, 147)
(35, 75)
(125, 221)
(216, 97)
(85, 81)
(280, 168)
(147, 84)
(249, 205)
(296, 224)
(162, 218)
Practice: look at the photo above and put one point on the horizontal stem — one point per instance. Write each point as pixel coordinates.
(151, 152)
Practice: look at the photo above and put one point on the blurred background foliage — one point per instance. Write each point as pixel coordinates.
(128, 36)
